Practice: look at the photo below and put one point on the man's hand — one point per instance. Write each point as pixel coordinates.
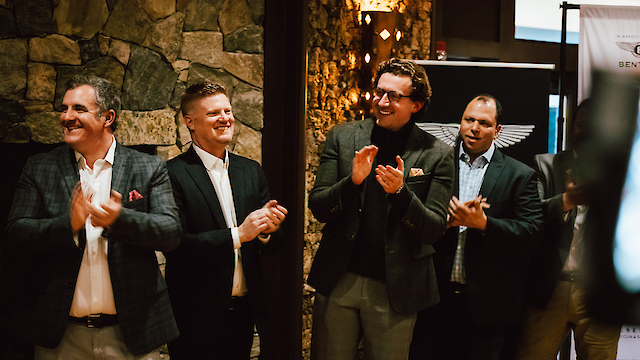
(574, 194)
(106, 214)
(265, 220)
(389, 177)
(362, 163)
(276, 214)
(470, 214)
(79, 209)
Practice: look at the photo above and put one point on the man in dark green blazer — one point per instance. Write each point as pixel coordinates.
(482, 261)
(383, 208)
(90, 215)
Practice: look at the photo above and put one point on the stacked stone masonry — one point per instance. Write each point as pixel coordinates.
(151, 50)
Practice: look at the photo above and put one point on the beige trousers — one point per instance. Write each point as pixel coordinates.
(544, 330)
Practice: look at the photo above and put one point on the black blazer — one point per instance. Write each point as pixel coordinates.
(200, 271)
(410, 230)
(39, 226)
(496, 261)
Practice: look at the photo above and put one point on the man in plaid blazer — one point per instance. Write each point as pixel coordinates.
(91, 214)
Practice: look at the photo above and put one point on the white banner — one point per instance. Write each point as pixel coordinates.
(628, 346)
(609, 40)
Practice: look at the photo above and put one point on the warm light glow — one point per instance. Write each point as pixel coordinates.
(381, 5)
(384, 34)
(367, 96)
(367, 19)
(398, 35)
(367, 58)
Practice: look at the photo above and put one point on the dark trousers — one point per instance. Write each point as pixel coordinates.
(235, 342)
(447, 331)
(232, 339)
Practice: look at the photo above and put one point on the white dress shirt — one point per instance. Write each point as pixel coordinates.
(94, 292)
(218, 171)
(575, 253)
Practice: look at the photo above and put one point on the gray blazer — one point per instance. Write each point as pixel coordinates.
(39, 225)
(410, 273)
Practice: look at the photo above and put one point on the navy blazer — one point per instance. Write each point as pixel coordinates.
(200, 270)
(39, 225)
(496, 260)
(410, 231)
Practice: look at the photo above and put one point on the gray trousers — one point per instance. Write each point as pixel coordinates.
(82, 343)
(358, 308)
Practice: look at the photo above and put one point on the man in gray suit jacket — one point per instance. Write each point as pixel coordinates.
(373, 270)
(90, 215)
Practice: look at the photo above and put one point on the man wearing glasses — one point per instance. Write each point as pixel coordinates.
(373, 271)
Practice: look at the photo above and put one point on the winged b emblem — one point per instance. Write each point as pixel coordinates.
(634, 48)
(508, 135)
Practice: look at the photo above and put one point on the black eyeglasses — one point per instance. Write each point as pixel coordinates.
(393, 96)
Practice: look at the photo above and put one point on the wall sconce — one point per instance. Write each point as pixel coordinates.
(381, 40)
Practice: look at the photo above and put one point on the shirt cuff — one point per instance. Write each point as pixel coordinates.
(236, 238)
(264, 238)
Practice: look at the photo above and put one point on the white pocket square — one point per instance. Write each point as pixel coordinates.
(415, 172)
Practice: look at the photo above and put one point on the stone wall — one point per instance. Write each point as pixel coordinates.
(152, 50)
(333, 88)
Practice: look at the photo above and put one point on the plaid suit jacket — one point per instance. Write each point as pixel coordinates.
(39, 225)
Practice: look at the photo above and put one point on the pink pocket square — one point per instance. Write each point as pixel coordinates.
(134, 195)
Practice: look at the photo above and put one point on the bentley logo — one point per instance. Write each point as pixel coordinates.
(509, 135)
(634, 48)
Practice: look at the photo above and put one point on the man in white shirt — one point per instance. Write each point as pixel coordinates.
(92, 213)
(228, 220)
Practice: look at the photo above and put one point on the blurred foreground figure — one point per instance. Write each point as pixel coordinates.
(557, 295)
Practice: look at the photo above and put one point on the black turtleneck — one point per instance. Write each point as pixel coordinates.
(367, 258)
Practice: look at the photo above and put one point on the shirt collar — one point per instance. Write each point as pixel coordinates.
(110, 153)
(488, 155)
(211, 161)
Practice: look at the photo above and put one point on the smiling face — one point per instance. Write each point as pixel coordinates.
(85, 129)
(479, 127)
(393, 116)
(211, 122)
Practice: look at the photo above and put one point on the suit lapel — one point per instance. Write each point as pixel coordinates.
(412, 150)
(121, 170)
(201, 179)
(362, 138)
(69, 170)
(493, 173)
(238, 188)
